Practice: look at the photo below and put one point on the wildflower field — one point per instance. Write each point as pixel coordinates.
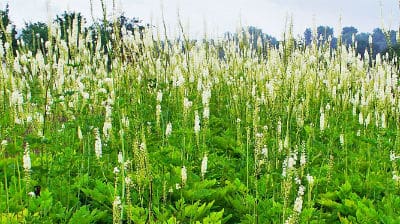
(170, 130)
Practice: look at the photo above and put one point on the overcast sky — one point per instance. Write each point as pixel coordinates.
(217, 16)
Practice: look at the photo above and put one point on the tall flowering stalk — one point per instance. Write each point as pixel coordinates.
(322, 122)
(97, 144)
(395, 172)
(79, 132)
(310, 180)
(168, 130)
(107, 126)
(116, 207)
(27, 166)
(128, 185)
(288, 173)
(204, 166)
(197, 127)
(158, 109)
(183, 175)
(196, 123)
(206, 95)
(297, 207)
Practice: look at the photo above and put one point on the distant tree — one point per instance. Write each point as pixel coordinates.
(110, 32)
(104, 30)
(362, 40)
(7, 29)
(308, 36)
(252, 36)
(271, 40)
(393, 37)
(324, 33)
(334, 42)
(383, 40)
(378, 40)
(347, 35)
(33, 33)
(71, 26)
(393, 52)
(256, 35)
(393, 47)
(66, 22)
(130, 24)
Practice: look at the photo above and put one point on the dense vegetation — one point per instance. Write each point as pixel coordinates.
(135, 127)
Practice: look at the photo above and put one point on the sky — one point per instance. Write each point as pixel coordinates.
(215, 17)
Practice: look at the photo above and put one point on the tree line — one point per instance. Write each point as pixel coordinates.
(35, 34)
(377, 42)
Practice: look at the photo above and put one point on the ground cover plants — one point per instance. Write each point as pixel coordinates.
(152, 129)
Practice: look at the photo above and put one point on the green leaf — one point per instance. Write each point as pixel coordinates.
(214, 217)
(85, 216)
